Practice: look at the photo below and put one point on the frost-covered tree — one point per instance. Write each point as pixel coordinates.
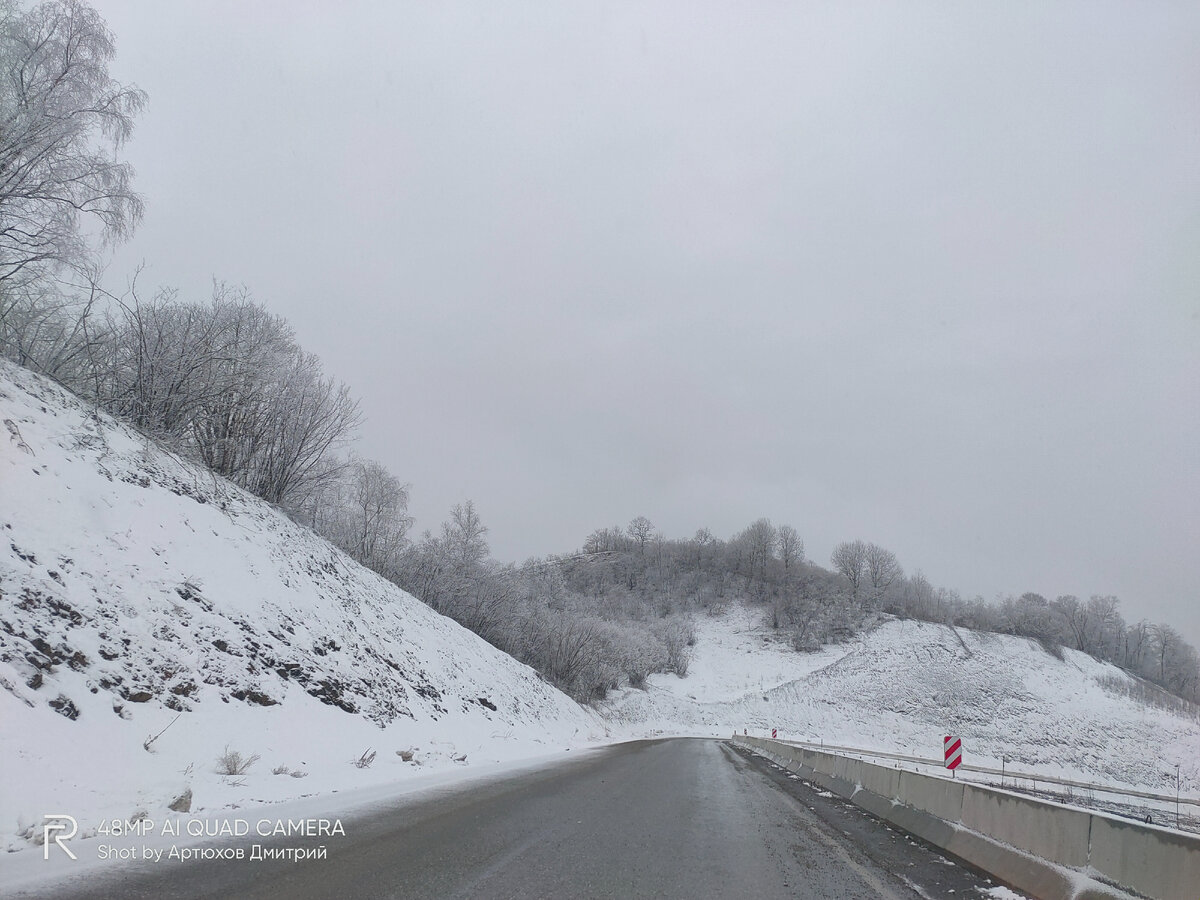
(640, 529)
(605, 540)
(1107, 628)
(51, 330)
(379, 508)
(1165, 647)
(882, 570)
(702, 540)
(227, 383)
(465, 536)
(761, 540)
(63, 119)
(1075, 619)
(311, 417)
(1135, 645)
(364, 512)
(849, 558)
(791, 550)
(232, 424)
(1029, 615)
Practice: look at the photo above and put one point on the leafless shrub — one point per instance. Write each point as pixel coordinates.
(678, 636)
(366, 759)
(231, 762)
(281, 770)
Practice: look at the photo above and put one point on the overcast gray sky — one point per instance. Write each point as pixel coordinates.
(925, 274)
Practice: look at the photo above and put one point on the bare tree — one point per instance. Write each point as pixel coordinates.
(918, 595)
(597, 542)
(233, 423)
(1183, 678)
(1107, 627)
(791, 550)
(640, 529)
(1029, 615)
(1076, 620)
(364, 513)
(46, 327)
(380, 505)
(310, 417)
(62, 119)
(464, 536)
(452, 574)
(850, 559)
(1135, 645)
(162, 362)
(882, 569)
(1165, 644)
(702, 540)
(606, 540)
(761, 540)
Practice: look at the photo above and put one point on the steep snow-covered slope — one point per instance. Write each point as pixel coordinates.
(135, 587)
(903, 686)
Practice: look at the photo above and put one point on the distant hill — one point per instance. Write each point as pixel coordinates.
(904, 685)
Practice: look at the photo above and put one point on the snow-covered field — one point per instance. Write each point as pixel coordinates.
(138, 593)
(904, 686)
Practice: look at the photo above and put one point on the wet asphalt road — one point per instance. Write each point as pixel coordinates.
(672, 818)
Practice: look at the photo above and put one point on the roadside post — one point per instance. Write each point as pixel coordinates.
(953, 749)
(1177, 796)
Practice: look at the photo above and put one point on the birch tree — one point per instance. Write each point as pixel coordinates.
(63, 119)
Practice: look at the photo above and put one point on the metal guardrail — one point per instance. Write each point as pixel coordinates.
(1004, 773)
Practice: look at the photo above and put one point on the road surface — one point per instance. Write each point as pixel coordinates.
(684, 818)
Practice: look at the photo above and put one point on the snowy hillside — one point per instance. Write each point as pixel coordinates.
(906, 684)
(135, 588)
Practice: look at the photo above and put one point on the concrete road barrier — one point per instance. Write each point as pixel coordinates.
(1046, 849)
(1057, 833)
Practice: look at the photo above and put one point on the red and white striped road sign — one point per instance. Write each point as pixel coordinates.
(774, 733)
(953, 747)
